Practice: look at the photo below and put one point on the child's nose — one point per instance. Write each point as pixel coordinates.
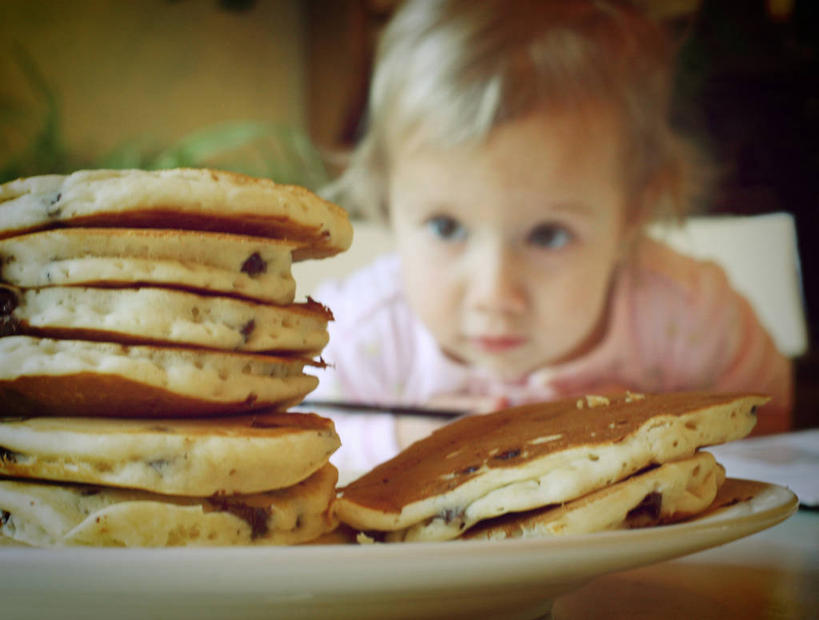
(498, 281)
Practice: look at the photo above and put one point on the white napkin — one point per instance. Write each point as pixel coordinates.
(788, 459)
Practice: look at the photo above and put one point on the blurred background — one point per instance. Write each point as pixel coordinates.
(277, 88)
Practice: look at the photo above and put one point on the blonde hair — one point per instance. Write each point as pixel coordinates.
(459, 68)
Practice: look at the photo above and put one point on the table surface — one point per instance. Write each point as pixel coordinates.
(773, 574)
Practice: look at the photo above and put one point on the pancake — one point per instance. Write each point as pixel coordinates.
(201, 457)
(734, 491)
(250, 267)
(163, 316)
(42, 376)
(49, 514)
(185, 198)
(483, 466)
(665, 494)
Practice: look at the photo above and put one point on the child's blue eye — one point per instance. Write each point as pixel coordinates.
(446, 228)
(551, 236)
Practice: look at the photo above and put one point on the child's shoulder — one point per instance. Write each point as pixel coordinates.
(364, 293)
(658, 266)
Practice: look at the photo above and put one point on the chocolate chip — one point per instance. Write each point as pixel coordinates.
(8, 456)
(159, 465)
(649, 507)
(451, 514)
(256, 518)
(8, 301)
(9, 325)
(52, 210)
(248, 328)
(509, 454)
(254, 265)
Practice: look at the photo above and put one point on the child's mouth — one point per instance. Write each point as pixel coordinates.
(497, 344)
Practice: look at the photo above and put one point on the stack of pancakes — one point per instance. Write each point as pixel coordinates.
(567, 467)
(149, 348)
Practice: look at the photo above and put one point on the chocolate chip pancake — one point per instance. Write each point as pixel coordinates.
(250, 267)
(149, 345)
(184, 198)
(199, 457)
(48, 514)
(43, 376)
(664, 494)
(163, 316)
(480, 467)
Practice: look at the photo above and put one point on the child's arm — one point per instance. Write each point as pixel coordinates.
(704, 335)
(721, 334)
(757, 365)
(678, 325)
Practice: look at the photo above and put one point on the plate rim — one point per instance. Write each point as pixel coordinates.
(503, 579)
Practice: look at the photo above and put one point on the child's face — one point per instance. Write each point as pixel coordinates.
(508, 247)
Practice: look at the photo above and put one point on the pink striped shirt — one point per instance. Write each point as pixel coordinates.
(675, 324)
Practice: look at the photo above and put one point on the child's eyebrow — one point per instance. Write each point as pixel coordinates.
(435, 207)
(570, 207)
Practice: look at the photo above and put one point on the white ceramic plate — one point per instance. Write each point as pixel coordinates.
(509, 579)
